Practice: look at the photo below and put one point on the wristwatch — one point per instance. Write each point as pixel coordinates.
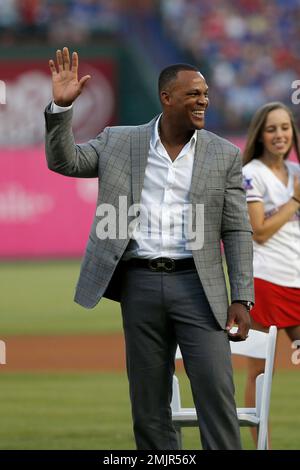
(247, 303)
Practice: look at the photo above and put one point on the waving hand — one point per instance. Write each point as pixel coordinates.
(65, 84)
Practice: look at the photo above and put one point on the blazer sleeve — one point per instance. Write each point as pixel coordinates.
(236, 234)
(66, 157)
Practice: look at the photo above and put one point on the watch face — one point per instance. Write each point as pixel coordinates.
(247, 304)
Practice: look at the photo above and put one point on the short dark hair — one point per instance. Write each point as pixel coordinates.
(170, 73)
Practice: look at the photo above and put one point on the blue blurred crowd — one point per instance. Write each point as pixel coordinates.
(251, 49)
(58, 20)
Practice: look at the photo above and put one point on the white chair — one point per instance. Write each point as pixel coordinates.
(257, 345)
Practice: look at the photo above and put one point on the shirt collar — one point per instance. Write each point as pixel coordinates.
(155, 140)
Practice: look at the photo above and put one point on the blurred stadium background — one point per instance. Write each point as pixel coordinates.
(64, 385)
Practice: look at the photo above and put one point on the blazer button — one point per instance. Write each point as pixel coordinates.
(116, 257)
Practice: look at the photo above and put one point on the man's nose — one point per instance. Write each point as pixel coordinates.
(202, 100)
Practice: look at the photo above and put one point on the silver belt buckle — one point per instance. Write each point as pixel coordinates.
(162, 264)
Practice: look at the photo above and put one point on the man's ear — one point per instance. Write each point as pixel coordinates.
(165, 97)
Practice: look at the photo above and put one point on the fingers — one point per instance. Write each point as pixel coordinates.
(230, 320)
(240, 335)
(59, 60)
(66, 58)
(236, 337)
(83, 80)
(74, 62)
(63, 59)
(242, 332)
(52, 67)
(238, 315)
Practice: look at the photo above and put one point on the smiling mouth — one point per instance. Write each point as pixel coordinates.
(280, 144)
(198, 114)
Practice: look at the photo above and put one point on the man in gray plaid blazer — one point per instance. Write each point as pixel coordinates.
(169, 277)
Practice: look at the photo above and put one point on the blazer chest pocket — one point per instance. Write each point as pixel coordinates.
(215, 189)
(215, 192)
(207, 195)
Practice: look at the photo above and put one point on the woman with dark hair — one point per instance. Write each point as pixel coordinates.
(272, 184)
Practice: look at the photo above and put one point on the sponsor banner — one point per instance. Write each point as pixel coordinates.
(42, 213)
(25, 90)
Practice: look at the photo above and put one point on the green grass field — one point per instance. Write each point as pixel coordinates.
(37, 298)
(89, 410)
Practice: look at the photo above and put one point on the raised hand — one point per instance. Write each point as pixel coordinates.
(65, 85)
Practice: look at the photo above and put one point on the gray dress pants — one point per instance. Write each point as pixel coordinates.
(161, 310)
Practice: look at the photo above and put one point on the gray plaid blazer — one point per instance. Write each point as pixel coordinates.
(118, 158)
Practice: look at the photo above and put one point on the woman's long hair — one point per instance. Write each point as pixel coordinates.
(254, 146)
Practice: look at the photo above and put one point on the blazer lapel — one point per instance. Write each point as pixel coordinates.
(140, 143)
(201, 167)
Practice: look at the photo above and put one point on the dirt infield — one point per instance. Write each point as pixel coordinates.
(90, 353)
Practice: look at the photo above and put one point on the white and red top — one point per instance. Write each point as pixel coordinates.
(278, 259)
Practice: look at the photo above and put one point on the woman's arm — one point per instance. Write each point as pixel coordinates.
(264, 228)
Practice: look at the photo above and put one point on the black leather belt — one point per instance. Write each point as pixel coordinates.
(167, 265)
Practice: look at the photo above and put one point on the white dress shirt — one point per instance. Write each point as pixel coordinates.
(59, 109)
(164, 209)
(164, 203)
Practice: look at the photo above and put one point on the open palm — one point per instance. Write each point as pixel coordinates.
(65, 84)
